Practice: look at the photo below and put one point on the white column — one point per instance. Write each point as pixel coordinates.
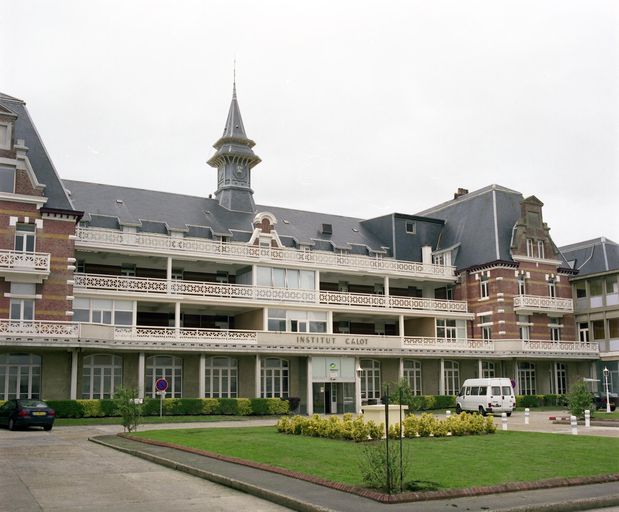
(254, 275)
(441, 382)
(401, 369)
(74, 365)
(401, 328)
(480, 373)
(141, 373)
(257, 376)
(386, 286)
(265, 319)
(317, 285)
(329, 322)
(357, 386)
(201, 372)
(310, 390)
(177, 319)
(134, 317)
(516, 379)
(169, 269)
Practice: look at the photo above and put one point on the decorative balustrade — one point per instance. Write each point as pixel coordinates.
(447, 344)
(258, 293)
(18, 260)
(543, 304)
(184, 334)
(39, 328)
(559, 346)
(243, 252)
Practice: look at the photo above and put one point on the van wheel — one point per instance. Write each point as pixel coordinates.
(458, 409)
(482, 411)
(509, 414)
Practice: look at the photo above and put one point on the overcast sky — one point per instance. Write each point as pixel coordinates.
(357, 108)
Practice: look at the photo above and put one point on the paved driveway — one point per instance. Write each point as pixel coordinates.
(62, 471)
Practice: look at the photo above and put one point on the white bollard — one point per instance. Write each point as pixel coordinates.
(504, 421)
(526, 416)
(574, 425)
(447, 413)
(587, 418)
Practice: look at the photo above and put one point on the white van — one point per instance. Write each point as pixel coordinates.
(486, 396)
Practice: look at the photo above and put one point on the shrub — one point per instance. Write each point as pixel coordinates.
(293, 403)
(129, 408)
(269, 406)
(67, 408)
(529, 400)
(444, 402)
(580, 399)
(374, 460)
(210, 406)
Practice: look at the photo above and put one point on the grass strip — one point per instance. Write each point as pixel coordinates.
(114, 420)
(444, 463)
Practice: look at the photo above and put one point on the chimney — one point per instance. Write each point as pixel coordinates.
(461, 192)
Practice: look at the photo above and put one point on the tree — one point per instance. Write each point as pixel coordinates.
(579, 400)
(129, 406)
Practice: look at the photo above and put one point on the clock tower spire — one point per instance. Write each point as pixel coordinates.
(234, 160)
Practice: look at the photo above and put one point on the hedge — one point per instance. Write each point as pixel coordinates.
(431, 402)
(174, 407)
(541, 400)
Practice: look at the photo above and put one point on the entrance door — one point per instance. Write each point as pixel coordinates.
(333, 389)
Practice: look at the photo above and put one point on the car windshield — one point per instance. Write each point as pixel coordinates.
(32, 403)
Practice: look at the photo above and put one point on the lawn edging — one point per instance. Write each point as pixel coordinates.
(380, 497)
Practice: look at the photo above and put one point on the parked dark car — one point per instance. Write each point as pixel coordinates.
(599, 400)
(27, 413)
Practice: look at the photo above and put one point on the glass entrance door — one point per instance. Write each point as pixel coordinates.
(334, 397)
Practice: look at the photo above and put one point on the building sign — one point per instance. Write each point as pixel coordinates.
(331, 341)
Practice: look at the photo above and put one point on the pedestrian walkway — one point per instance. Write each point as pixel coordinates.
(306, 496)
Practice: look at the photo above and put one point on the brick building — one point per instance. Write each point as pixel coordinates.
(227, 298)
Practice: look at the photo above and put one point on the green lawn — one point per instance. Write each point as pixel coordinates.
(446, 462)
(154, 419)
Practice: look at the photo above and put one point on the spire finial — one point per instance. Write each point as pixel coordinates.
(234, 79)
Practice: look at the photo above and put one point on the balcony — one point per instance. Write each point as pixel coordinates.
(575, 347)
(529, 304)
(38, 329)
(447, 345)
(24, 267)
(200, 248)
(223, 292)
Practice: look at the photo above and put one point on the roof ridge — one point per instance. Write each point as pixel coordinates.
(7, 97)
(466, 197)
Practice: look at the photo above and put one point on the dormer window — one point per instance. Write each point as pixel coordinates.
(5, 136)
(530, 247)
(540, 249)
(7, 180)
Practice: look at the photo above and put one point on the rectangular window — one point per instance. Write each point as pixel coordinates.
(555, 331)
(7, 180)
(484, 290)
(286, 278)
(552, 288)
(5, 142)
(22, 309)
(598, 330)
(411, 227)
(530, 247)
(581, 289)
(540, 249)
(24, 237)
(446, 329)
(524, 328)
(522, 285)
(583, 332)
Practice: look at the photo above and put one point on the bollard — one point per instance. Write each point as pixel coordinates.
(447, 413)
(587, 418)
(574, 425)
(526, 416)
(504, 421)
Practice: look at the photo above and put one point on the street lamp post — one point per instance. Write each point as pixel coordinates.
(606, 372)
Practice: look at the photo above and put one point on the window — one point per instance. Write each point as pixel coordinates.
(446, 329)
(103, 311)
(7, 180)
(561, 379)
(485, 323)
(169, 368)
(612, 290)
(370, 379)
(598, 330)
(488, 371)
(452, 377)
(411, 227)
(530, 247)
(596, 289)
(24, 237)
(444, 293)
(102, 376)
(524, 327)
(221, 377)
(297, 321)
(581, 289)
(526, 378)
(5, 137)
(522, 284)
(540, 249)
(22, 309)
(286, 278)
(552, 288)
(583, 332)
(412, 374)
(484, 291)
(555, 330)
(20, 376)
(274, 378)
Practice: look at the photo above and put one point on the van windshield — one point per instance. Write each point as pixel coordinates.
(507, 390)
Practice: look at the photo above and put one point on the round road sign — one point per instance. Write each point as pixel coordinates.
(161, 385)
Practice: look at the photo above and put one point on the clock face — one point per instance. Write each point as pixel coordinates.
(239, 172)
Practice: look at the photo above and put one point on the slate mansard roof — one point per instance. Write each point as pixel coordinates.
(590, 257)
(37, 154)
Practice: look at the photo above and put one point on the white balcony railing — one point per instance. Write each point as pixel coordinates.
(543, 304)
(184, 334)
(152, 286)
(39, 328)
(103, 238)
(447, 344)
(28, 261)
(559, 346)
